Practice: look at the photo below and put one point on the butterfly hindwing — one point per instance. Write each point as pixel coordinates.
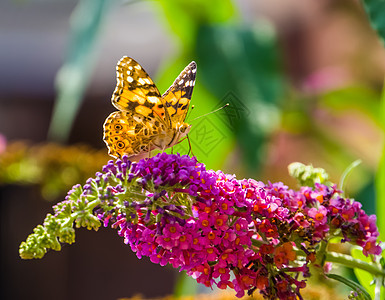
(177, 97)
(130, 133)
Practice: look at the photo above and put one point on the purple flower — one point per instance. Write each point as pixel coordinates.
(174, 211)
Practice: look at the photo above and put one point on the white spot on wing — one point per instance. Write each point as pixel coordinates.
(189, 83)
(152, 99)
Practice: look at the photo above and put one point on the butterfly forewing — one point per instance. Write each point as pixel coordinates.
(143, 123)
(135, 91)
(177, 97)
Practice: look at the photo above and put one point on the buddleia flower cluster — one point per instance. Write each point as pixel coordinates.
(240, 234)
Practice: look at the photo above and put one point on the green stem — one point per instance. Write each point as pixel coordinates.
(91, 205)
(351, 262)
(257, 243)
(377, 290)
(347, 172)
(321, 253)
(343, 259)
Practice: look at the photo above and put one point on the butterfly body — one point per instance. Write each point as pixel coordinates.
(145, 120)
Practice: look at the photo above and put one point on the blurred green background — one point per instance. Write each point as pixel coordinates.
(303, 80)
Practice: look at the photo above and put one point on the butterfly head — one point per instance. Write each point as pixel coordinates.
(181, 130)
(184, 129)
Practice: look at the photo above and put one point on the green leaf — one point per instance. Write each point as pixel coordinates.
(347, 171)
(365, 278)
(376, 13)
(380, 199)
(185, 286)
(74, 75)
(380, 179)
(353, 285)
(211, 140)
(185, 17)
(240, 66)
(360, 98)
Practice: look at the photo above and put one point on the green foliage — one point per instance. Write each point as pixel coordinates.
(185, 286)
(58, 228)
(236, 64)
(347, 171)
(362, 294)
(73, 77)
(186, 17)
(359, 98)
(380, 199)
(366, 279)
(376, 10)
(211, 141)
(380, 178)
(241, 66)
(52, 167)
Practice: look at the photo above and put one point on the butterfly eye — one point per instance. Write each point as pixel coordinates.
(120, 145)
(184, 129)
(118, 127)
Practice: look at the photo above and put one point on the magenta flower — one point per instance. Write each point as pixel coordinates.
(220, 221)
(371, 247)
(214, 226)
(319, 215)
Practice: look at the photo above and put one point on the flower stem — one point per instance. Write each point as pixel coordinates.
(351, 262)
(377, 290)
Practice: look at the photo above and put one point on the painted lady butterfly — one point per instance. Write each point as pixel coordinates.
(145, 120)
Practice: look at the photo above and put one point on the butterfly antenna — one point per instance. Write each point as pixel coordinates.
(214, 111)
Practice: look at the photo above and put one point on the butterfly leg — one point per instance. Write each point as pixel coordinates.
(189, 143)
(149, 150)
(182, 139)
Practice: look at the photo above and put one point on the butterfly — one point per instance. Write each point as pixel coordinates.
(146, 120)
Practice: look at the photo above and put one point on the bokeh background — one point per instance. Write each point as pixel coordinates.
(303, 80)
